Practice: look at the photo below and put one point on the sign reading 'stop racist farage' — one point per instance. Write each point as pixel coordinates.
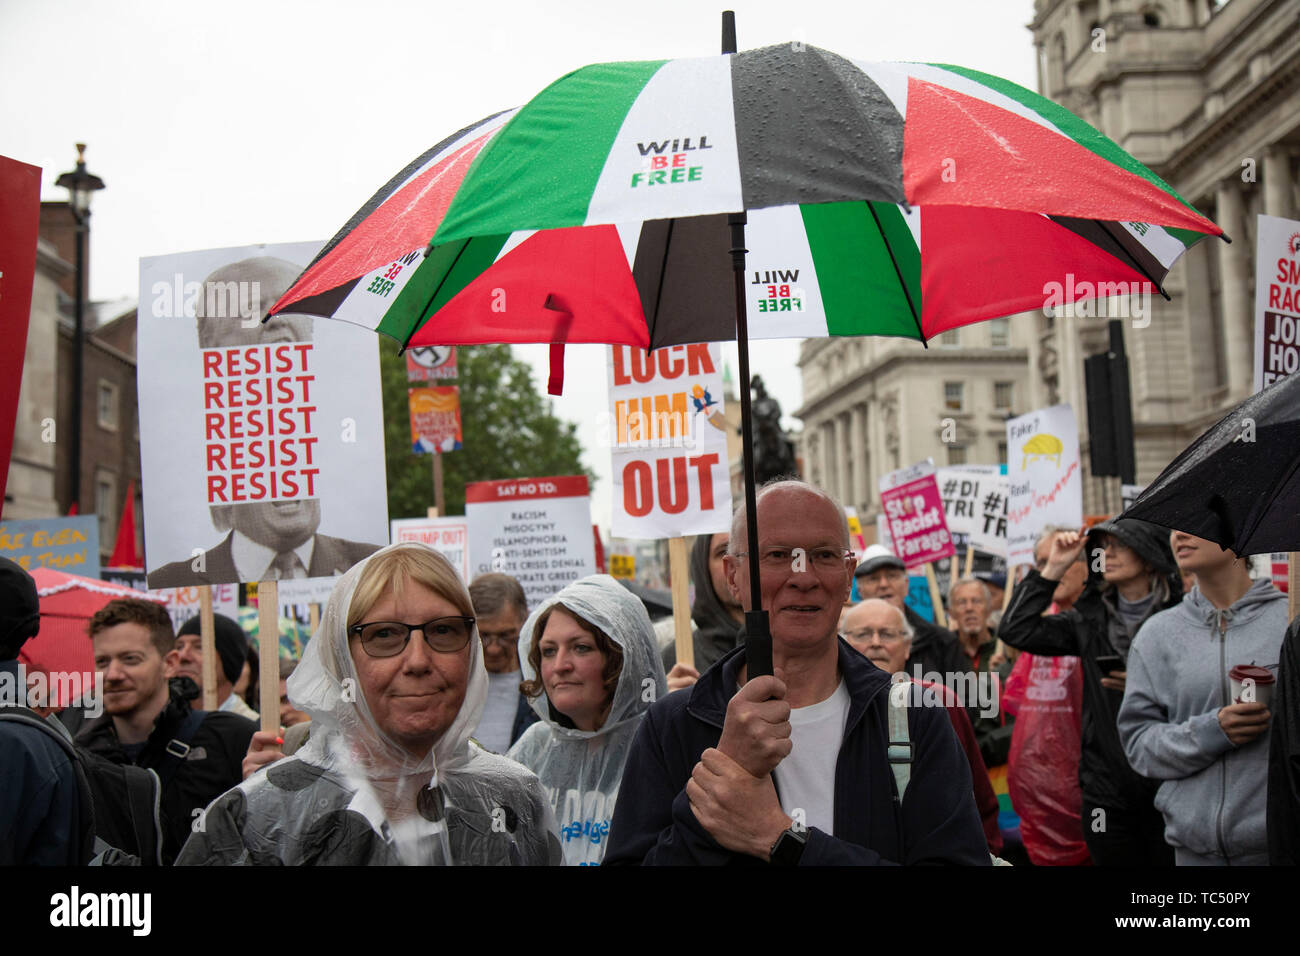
(261, 444)
(537, 530)
(668, 442)
(914, 513)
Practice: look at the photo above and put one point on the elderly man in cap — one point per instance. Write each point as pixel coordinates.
(186, 660)
(879, 631)
(934, 650)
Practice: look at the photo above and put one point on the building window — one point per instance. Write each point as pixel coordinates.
(105, 506)
(107, 406)
(1002, 453)
(950, 339)
(1002, 395)
(956, 454)
(952, 396)
(1000, 333)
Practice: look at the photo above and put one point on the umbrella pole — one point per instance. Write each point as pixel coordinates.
(758, 637)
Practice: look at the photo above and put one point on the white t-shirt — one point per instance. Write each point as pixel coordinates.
(498, 717)
(806, 778)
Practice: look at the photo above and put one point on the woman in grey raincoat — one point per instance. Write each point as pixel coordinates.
(393, 680)
(591, 664)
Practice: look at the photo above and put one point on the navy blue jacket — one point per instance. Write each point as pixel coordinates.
(937, 823)
(41, 814)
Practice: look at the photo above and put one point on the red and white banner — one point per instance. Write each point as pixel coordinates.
(450, 536)
(1277, 299)
(914, 513)
(668, 442)
(20, 214)
(537, 530)
(430, 363)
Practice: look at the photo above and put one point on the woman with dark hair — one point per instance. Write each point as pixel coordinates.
(1131, 576)
(591, 665)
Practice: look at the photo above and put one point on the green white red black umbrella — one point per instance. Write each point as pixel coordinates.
(894, 199)
(898, 199)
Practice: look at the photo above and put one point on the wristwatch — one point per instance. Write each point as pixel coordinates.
(788, 848)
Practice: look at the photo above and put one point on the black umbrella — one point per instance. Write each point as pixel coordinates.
(1239, 483)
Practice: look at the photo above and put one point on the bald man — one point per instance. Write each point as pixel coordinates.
(792, 768)
(265, 540)
(879, 631)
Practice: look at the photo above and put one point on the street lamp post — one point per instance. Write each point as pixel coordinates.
(82, 185)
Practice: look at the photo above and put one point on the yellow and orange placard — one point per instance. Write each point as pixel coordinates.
(435, 419)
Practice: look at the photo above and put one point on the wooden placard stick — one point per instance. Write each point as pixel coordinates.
(313, 617)
(208, 646)
(679, 575)
(1006, 595)
(970, 560)
(936, 599)
(439, 501)
(268, 654)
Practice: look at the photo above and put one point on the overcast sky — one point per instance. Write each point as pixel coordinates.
(234, 123)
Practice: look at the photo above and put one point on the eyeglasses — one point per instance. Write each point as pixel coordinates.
(506, 638)
(866, 633)
(798, 559)
(445, 635)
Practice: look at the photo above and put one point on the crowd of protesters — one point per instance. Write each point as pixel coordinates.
(1128, 701)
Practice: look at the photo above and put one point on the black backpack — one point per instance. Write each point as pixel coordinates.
(119, 803)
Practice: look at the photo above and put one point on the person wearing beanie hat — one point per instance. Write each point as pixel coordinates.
(232, 656)
(20, 609)
(42, 820)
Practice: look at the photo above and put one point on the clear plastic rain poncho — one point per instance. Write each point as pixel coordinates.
(579, 769)
(351, 795)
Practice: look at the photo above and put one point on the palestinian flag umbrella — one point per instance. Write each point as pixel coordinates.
(896, 199)
(979, 195)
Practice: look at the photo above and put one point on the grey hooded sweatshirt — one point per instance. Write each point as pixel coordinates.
(581, 770)
(1214, 793)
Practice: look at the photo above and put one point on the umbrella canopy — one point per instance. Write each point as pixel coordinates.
(887, 198)
(900, 199)
(1239, 483)
(68, 602)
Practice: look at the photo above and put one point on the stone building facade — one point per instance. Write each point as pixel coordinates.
(1205, 93)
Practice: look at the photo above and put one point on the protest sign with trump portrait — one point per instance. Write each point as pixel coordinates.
(261, 444)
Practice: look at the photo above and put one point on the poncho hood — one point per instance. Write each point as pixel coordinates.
(602, 601)
(345, 738)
